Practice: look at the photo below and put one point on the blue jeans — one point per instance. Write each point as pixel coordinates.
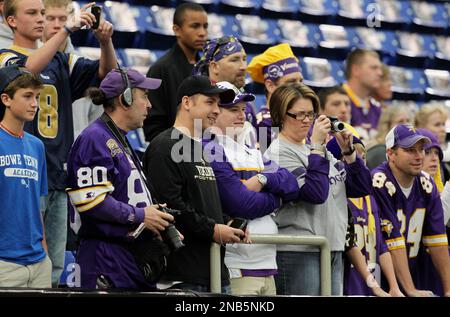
(199, 288)
(299, 273)
(54, 212)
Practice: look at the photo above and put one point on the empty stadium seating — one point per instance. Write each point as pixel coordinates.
(411, 36)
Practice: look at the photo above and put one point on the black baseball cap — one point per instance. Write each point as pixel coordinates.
(9, 73)
(198, 84)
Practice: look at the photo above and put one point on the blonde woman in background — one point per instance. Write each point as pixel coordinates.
(390, 117)
(433, 117)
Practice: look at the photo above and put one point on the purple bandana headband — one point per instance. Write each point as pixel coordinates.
(215, 50)
(281, 68)
(231, 47)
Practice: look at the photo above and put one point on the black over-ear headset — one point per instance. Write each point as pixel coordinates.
(127, 94)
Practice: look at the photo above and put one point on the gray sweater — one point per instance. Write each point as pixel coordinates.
(328, 219)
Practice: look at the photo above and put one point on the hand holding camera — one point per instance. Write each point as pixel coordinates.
(320, 130)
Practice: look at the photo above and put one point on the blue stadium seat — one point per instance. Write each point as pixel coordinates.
(203, 2)
(336, 36)
(94, 53)
(89, 52)
(415, 45)
(69, 260)
(285, 6)
(429, 14)
(129, 23)
(407, 80)
(447, 5)
(319, 7)
(255, 30)
(161, 20)
(376, 39)
(352, 9)
(139, 59)
(438, 82)
(442, 47)
(137, 141)
(242, 4)
(260, 101)
(320, 72)
(220, 25)
(298, 34)
(394, 11)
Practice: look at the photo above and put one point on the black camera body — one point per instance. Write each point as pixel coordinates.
(96, 11)
(336, 124)
(170, 235)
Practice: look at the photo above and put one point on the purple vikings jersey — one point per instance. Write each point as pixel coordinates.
(364, 118)
(264, 128)
(371, 245)
(413, 223)
(65, 79)
(250, 115)
(108, 195)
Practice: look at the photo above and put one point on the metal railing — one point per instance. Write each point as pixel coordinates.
(319, 241)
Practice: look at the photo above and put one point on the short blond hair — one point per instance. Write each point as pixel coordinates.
(385, 124)
(59, 4)
(424, 113)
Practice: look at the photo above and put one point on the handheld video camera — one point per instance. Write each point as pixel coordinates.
(336, 124)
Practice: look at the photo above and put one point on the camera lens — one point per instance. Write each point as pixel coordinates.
(172, 237)
(338, 126)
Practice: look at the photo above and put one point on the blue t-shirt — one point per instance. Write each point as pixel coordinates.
(23, 179)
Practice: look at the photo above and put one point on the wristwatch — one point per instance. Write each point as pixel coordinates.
(262, 179)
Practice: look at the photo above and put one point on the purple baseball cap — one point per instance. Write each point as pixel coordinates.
(240, 96)
(434, 141)
(404, 136)
(114, 82)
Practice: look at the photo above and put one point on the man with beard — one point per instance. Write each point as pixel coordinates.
(224, 59)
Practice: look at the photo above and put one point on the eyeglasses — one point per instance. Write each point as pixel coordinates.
(300, 116)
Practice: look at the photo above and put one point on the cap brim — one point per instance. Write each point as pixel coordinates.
(411, 140)
(150, 83)
(225, 95)
(438, 147)
(244, 97)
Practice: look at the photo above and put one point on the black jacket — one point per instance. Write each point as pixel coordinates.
(188, 185)
(172, 68)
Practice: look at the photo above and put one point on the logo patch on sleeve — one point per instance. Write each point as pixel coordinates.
(113, 147)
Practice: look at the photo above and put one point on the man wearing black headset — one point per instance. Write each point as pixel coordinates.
(109, 193)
